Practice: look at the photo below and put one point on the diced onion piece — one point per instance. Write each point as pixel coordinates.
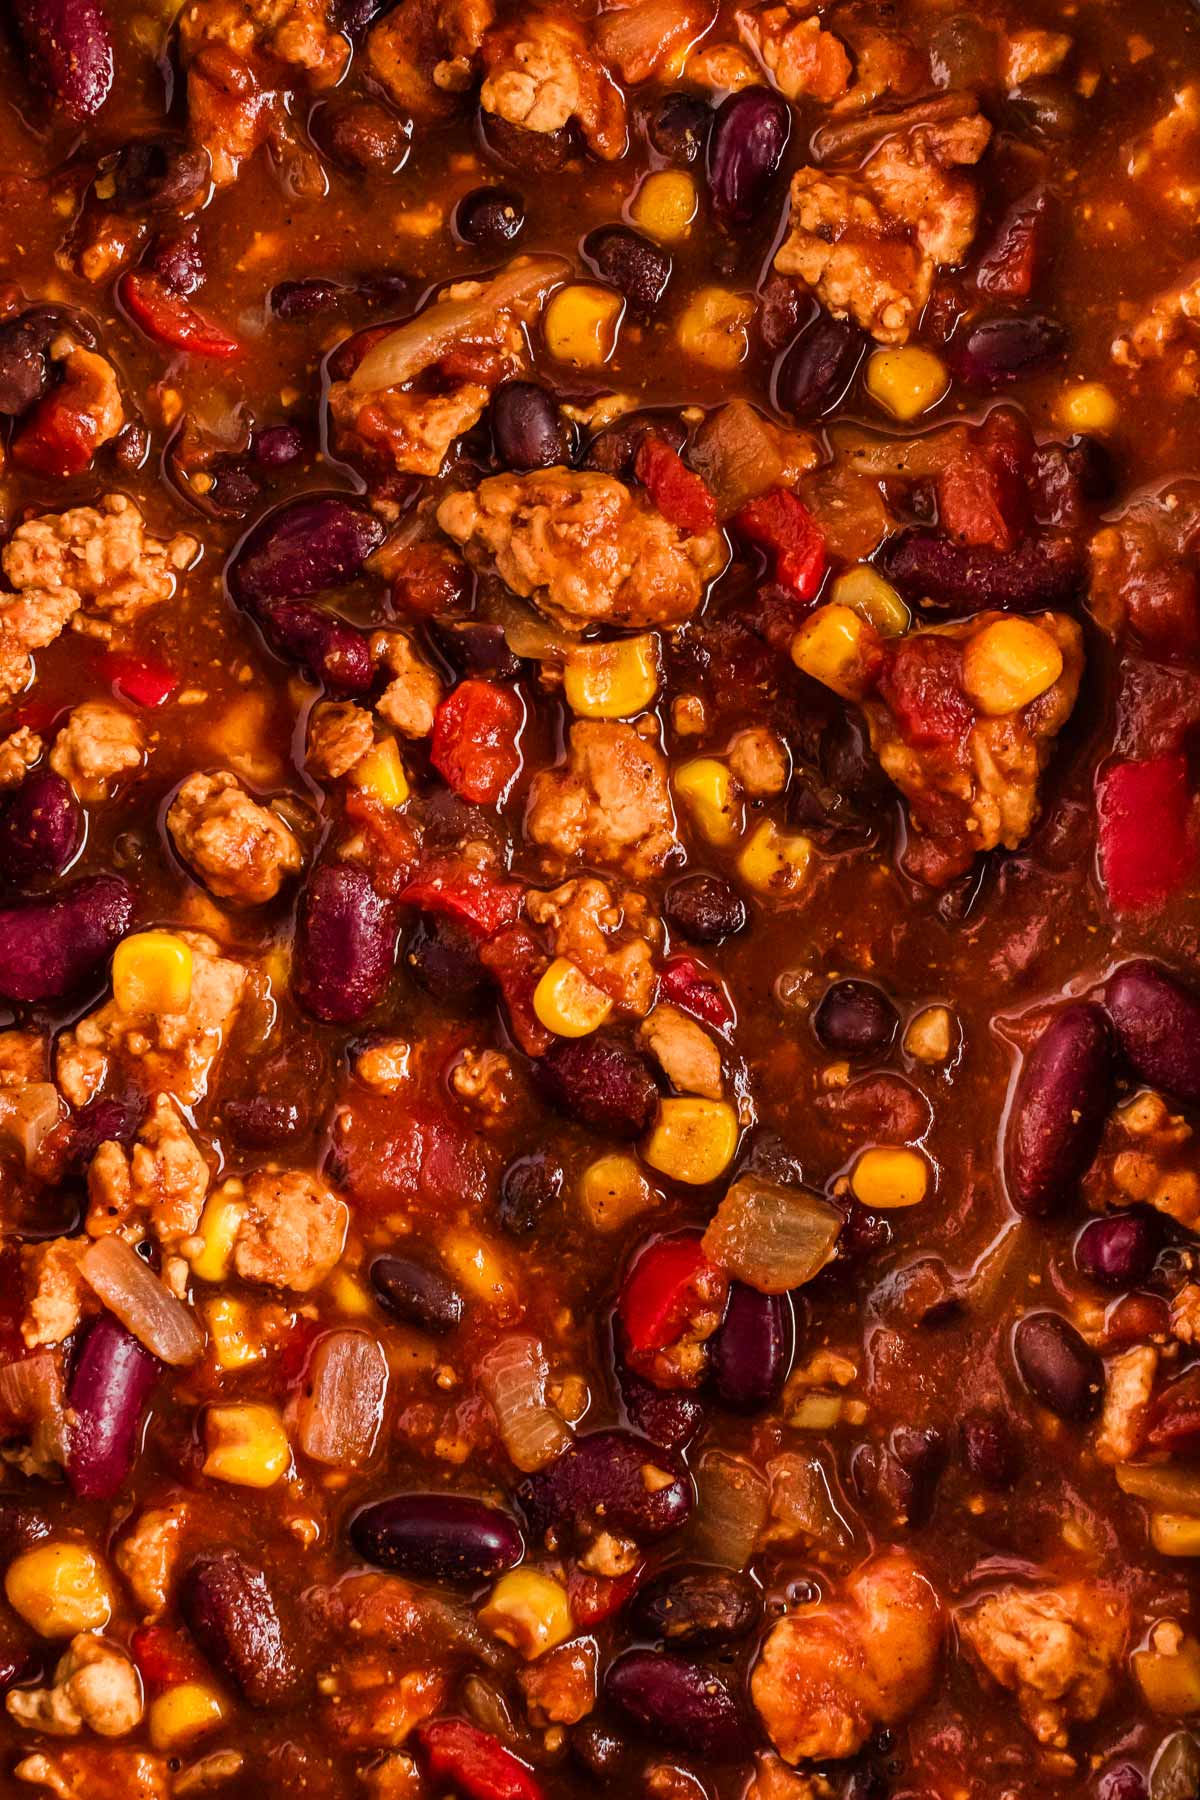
(27, 1114)
(527, 635)
(731, 1509)
(642, 39)
(423, 341)
(1172, 1486)
(513, 1377)
(131, 1290)
(31, 1394)
(771, 1236)
(850, 136)
(738, 455)
(902, 458)
(342, 1409)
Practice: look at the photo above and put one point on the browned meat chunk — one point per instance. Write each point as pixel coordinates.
(1148, 1156)
(292, 1231)
(98, 744)
(610, 804)
(339, 735)
(239, 849)
(424, 52)
(55, 1290)
(296, 33)
(148, 1554)
(609, 940)
(684, 1051)
(90, 1773)
(560, 1687)
(411, 697)
(18, 753)
(543, 72)
(161, 1183)
(95, 1687)
(801, 59)
(1056, 1648)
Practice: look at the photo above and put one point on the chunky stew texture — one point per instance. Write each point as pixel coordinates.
(599, 931)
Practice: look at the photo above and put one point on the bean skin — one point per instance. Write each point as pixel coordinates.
(232, 1614)
(69, 43)
(681, 1703)
(1058, 1110)
(1157, 1021)
(1060, 1370)
(437, 1537)
(600, 1480)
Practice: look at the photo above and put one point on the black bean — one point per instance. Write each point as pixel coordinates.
(525, 152)
(632, 264)
(490, 218)
(24, 365)
(711, 1606)
(1060, 1370)
(1157, 1020)
(1058, 1110)
(177, 261)
(704, 909)
(678, 127)
(528, 1188)
(989, 1449)
(819, 366)
(365, 135)
(602, 1751)
(855, 1018)
(669, 1417)
(443, 958)
(528, 431)
(475, 647)
(417, 1293)
(437, 1537)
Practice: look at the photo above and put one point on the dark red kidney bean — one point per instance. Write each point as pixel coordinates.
(745, 147)
(437, 1537)
(699, 1608)
(131, 446)
(177, 260)
(855, 1018)
(24, 365)
(443, 958)
(305, 298)
(1043, 571)
(158, 174)
(234, 492)
(365, 135)
(898, 1479)
(683, 1704)
(21, 1525)
(678, 127)
(107, 1395)
(474, 647)
(1058, 1110)
(264, 1121)
(1118, 1251)
(280, 1097)
(751, 1351)
(345, 944)
(600, 1083)
(490, 218)
(232, 1614)
(337, 654)
(704, 909)
(1157, 1021)
(668, 1417)
(989, 1449)
(418, 1294)
(529, 1187)
(321, 541)
(1060, 1370)
(599, 1749)
(1000, 350)
(525, 152)
(818, 368)
(1069, 480)
(614, 451)
(629, 262)
(51, 945)
(528, 431)
(1125, 1782)
(40, 829)
(70, 46)
(278, 445)
(599, 1481)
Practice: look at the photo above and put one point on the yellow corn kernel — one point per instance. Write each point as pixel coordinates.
(247, 1444)
(714, 328)
(567, 1003)
(665, 205)
(611, 681)
(528, 1610)
(152, 973)
(1088, 406)
(1175, 1534)
(886, 1178)
(613, 1190)
(711, 796)
(907, 382)
(1008, 664)
(59, 1589)
(774, 861)
(218, 1231)
(348, 1294)
(234, 1344)
(1169, 1673)
(380, 773)
(581, 324)
(693, 1141)
(180, 1715)
(829, 647)
(865, 592)
(472, 1262)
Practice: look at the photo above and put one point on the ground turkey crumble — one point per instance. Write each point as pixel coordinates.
(292, 1231)
(1056, 1648)
(610, 803)
(97, 746)
(240, 850)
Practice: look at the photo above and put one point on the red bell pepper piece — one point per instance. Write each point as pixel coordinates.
(476, 740)
(164, 1658)
(477, 1764)
(594, 1598)
(136, 678)
(680, 495)
(780, 523)
(689, 986)
(661, 1290)
(462, 891)
(170, 319)
(517, 960)
(1147, 845)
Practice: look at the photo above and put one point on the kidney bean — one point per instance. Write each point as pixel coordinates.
(819, 366)
(684, 1704)
(614, 451)
(710, 1606)
(345, 944)
(321, 541)
(855, 1018)
(158, 175)
(280, 1096)
(1043, 571)
(1118, 1251)
(745, 147)
(24, 365)
(600, 1083)
(1157, 1021)
(102, 1120)
(600, 1479)
(1124, 1782)
(899, 1478)
(475, 647)
(1047, 109)
(529, 1186)
(1069, 479)
(40, 829)
(705, 909)
(442, 956)
(417, 1293)
(668, 1417)
(751, 1352)
(528, 431)
(437, 1537)
(678, 126)
(107, 1395)
(232, 1614)
(491, 218)
(177, 261)
(1060, 1370)
(278, 445)
(70, 47)
(600, 1750)
(989, 1449)
(50, 945)
(337, 654)
(304, 298)
(1058, 1110)
(631, 263)
(1001, 349)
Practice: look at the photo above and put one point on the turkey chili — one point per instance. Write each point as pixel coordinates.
(599, 947)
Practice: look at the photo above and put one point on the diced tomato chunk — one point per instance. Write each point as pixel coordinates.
(476, 1763)
(430, 581)
(476, 740)
(517, 960)
(138, 679)
(921, 681)
(1147, 841)
(594, 1598)
(983, 496)
(58, 439)
(446, 884)
(170, 319)
(780, 523)
(662, 1289)
(680, 495)
(687, 985)
(164, 1657)
(391, 839)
